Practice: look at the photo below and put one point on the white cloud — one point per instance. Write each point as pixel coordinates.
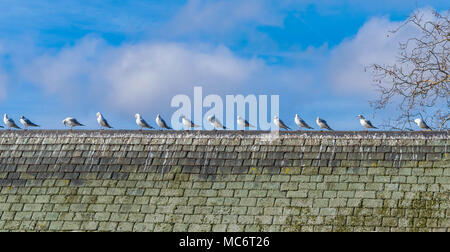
(136, 77)
(221, 17)
(374, 43)
(66, 70)
(145, 76)
(155, 72)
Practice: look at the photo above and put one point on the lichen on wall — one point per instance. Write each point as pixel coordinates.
(224, 181)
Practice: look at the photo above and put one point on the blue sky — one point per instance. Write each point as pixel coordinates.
(75, 58)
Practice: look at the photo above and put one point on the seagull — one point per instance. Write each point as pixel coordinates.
(280, 124)
(9, 122)
(323, 124)
(243, 123)
(141, 122)
(216, 123)
(299, 121)
(421, 123)
(366, 123)
(72, 122)
(102, 121)
(27, 123)
(161, 123)
(189, 124)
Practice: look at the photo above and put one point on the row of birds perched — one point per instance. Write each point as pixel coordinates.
(72, 122)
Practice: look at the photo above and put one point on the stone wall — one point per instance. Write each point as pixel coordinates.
(224, 181)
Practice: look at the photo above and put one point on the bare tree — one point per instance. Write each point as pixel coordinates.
(419, 82)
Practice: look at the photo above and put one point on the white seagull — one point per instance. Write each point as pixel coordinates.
(280, 124)
(189, 124)
(9, 122)
(243, 123)
(301, 124)
(323, 124)
(215, 123)
(161, 123)
(141, 122)
(102, 121)
(72, 122)
(366, 123)
(421, 123)
(27, 123)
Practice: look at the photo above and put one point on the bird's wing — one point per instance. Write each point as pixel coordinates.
(145, 123)
(305, 124)
(218, 124)
(189, 123)
(30, 123)
(164, 124)
(326, 125)
(13, 124)
(107, 124)
(76, 122)
(283, 125)
(248, 124)
(370, 124)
